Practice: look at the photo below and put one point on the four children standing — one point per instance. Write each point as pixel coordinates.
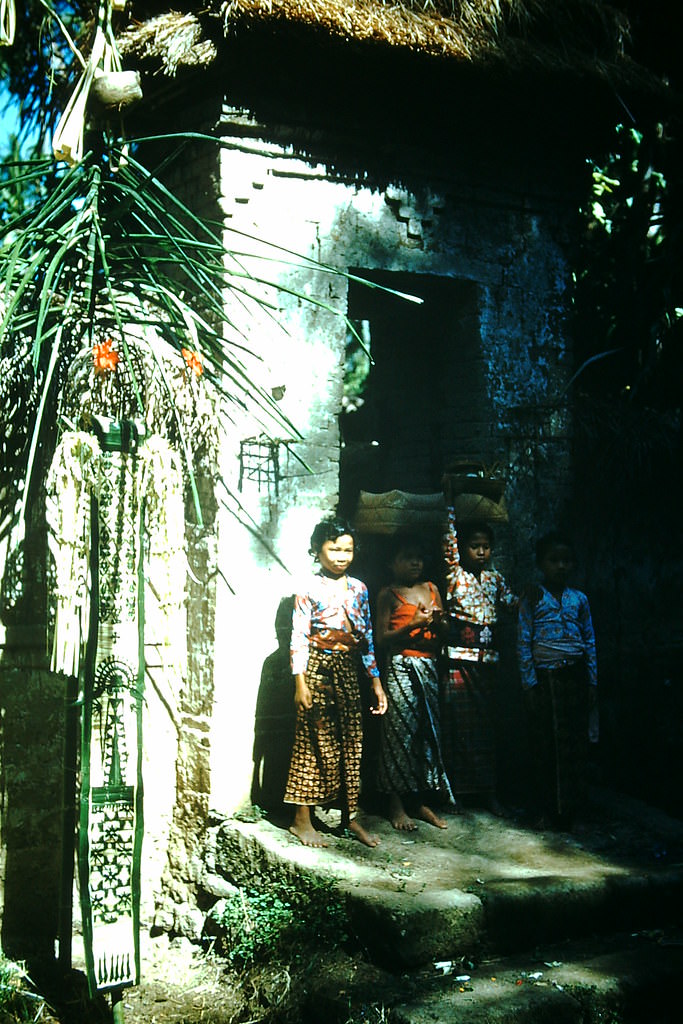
(437, 734)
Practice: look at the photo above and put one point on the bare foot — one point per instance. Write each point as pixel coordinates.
(308, 836)
(303, 828)
(360, 833)
(402, 822)
(398, 817)
(425, 813)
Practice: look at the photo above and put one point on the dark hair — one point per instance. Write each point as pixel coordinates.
(406, 542)
(467, 530)
(553, 539)
(330, 529)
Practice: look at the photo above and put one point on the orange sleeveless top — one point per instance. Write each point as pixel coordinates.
(421, 642)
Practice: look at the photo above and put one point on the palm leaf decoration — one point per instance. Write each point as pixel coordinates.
(103, 254)
(103, 251)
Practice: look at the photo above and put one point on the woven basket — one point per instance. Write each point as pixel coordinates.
(477, 491)
(478, 506)
(399, 511)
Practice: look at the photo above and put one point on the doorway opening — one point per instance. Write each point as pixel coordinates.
(423, 399)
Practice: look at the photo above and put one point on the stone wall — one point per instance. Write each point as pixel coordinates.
(478, 368)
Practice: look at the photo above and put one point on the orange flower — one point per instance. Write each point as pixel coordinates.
(104, 357)
(194, 361)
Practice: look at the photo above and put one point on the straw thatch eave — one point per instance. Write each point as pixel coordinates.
(577, 39)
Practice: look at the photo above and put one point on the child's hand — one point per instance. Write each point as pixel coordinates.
(303, 698)
(380, 698)
(439, 618)
(422, 616)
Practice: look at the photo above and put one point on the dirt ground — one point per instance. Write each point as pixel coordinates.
(183, 984)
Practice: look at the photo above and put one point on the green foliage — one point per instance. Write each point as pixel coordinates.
(17, 193)
(629, 283)
(17, 1002)
(38, 67)
(280, 922)
(99, 250)
(357, 364)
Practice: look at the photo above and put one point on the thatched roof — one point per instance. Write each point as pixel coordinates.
(575, 37)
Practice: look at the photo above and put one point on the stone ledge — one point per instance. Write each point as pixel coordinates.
(484, 884)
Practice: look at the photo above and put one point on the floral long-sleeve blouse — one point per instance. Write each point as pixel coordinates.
(324, 607)
(552, 632)
(473, 602)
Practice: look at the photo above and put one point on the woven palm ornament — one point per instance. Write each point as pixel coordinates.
(115, 504)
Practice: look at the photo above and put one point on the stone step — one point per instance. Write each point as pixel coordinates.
(483, 885)
(617, 978)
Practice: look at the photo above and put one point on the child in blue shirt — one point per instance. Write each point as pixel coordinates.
(558, 667)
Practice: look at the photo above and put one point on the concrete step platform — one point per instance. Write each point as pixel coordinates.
(634, 977)
(484, 885)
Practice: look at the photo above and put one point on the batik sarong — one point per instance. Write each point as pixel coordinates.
(560, 737)
(410, 757)
(328, 739)
(468, 727)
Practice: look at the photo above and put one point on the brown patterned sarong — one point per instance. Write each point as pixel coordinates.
(560, 737)
(328, 740)
(467, 726)
(410, 758)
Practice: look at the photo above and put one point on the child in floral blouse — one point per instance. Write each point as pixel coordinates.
(331, 640)
(558, 666)
(475, 594)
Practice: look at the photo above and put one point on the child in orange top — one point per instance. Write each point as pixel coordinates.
(409, 625)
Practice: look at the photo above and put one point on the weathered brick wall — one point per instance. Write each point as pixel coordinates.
(495, 243)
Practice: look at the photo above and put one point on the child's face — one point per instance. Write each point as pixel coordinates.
(477, 553)
(335, 556)
(556, 565)
(407, 565)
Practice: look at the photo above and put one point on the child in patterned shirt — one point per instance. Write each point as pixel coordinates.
(558, 666)
(331, 642)
(475, 594)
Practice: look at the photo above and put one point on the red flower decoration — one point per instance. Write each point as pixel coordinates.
(193, 360)
(105, 357)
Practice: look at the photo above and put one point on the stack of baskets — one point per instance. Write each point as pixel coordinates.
(475, 490)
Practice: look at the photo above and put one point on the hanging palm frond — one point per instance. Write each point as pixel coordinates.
(103, 258)
(8, 22)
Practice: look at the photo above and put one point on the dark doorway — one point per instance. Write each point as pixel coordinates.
(424, 400)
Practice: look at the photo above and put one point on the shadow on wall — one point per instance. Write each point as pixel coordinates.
(274, 718)
(34, 785)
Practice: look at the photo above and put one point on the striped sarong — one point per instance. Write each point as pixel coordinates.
(468, 727)
(560, 738)
(328, 738)
(410, 758)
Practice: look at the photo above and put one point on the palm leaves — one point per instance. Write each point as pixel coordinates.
(107, 252)
(104, 250)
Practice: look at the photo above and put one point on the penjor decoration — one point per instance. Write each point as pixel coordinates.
(115, 504)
